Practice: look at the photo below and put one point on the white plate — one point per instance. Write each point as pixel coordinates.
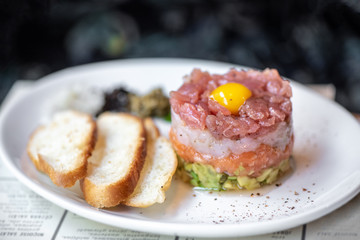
(326, 159)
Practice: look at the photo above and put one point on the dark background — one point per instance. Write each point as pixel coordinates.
(314, 41)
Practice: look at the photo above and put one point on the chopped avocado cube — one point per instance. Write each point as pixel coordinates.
(253, 184)
(248, 183)
(272, 176)
(284, 165)
(230, 185)
(195, 179)
(244, 180)
(207, 175)
(188, 167)
(195, 182)
(264, 175)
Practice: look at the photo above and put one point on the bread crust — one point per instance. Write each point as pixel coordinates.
(101, 196)
(69, 178)
(157, 195)
(168, 182)
(34, 159)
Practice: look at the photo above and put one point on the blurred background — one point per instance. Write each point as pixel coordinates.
(310, 41)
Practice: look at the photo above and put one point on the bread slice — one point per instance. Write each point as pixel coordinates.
(160, 166)
(117, 160)
(61, 148)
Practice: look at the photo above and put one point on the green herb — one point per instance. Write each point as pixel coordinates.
(167, 117)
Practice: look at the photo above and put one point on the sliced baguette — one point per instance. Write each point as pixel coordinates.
(160, 166)
(117, 160)
(62, 147)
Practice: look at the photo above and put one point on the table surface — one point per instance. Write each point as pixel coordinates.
(26, 215)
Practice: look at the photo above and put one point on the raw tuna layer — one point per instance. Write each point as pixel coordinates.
(269, 105)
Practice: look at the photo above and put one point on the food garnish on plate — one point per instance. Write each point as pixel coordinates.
(232, 131)
(94, 101)
(151, 104)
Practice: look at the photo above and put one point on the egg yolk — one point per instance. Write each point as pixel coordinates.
(231, 95)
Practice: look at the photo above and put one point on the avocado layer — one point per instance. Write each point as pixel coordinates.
(204, 176)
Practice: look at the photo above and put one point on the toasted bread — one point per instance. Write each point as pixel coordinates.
(160, 166)
(117, 160)
(61, 148)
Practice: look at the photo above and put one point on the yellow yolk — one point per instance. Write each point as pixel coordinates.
(231, 95)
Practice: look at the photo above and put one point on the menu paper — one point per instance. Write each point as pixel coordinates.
(26, 215)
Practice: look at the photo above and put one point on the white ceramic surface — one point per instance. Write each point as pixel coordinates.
(326, 159)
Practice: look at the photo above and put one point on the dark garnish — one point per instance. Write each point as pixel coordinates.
(117, 101)
(153, 104)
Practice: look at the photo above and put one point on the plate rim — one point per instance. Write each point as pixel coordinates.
(202, 230)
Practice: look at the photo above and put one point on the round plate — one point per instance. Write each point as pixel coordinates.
(326, 166)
